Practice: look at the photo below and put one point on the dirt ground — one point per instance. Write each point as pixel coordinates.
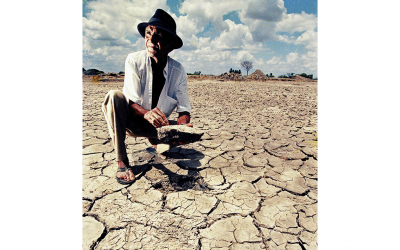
(251, 183)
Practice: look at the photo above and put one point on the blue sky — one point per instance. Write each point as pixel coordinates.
(278, 36)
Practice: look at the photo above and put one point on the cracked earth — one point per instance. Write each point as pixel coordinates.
(251, 183)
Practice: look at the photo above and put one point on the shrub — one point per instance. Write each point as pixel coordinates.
(95, 79)
(92, 72)
(306, 76)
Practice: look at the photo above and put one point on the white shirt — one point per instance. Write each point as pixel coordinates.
(139, 78)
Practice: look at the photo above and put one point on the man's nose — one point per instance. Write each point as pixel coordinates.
(152, 38)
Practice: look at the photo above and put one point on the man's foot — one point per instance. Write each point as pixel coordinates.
(124, 174)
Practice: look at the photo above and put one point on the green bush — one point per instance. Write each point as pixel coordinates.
(306, 76)
(235, 71)
(92, 72)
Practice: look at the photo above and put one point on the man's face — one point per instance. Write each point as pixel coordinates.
(156, 44)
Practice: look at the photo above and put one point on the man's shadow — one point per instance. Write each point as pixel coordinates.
(166, 176)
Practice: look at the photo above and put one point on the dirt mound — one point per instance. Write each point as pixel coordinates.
(298, 78)
(257, 75)
(230, 76)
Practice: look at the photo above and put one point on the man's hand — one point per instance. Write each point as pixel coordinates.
(156, 118)
(184, 119)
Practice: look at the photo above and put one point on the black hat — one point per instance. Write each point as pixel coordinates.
(164, 21)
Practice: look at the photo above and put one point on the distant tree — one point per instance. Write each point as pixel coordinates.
(247, 65)
(307, 76)
(83, 70)
(270, 75)
(282, 76)
(240, 72)
(230, 71)
(121, 72)
(92, 72)
(290, 75)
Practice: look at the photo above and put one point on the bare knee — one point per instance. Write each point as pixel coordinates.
(115, 95)
(115, 99)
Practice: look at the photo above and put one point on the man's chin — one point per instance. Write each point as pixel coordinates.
(151, 53)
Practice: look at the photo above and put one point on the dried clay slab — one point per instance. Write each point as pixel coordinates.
(176, 133)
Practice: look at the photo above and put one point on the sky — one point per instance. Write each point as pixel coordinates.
(277, 36)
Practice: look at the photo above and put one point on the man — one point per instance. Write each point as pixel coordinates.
(154, 86)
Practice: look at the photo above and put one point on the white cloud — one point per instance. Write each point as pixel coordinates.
(244, 56)
(274, 60)
(309, 61)
(261, 30)
(187, 27)
(206, 11)
(292, 57)
(286, 38)
(297, 22)
(261, 18)
(232, 39)
(267, 10)
(309, 39)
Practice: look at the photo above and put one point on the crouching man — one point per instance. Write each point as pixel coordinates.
(154, 86)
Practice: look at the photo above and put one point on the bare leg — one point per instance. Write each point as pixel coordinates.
(116, 112)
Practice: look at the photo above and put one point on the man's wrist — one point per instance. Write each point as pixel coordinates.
(137, 109)
(184, 113)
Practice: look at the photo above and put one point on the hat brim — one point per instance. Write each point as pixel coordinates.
(177, 40)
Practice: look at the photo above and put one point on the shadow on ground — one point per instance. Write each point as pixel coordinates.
(179, 172)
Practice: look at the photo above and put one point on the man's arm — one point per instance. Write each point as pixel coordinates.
(132, 86)
(184, 119)
(182, 94)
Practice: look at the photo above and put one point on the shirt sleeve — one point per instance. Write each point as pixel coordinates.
(182, 95)
(132, 86)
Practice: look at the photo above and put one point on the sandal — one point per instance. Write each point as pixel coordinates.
(121, 180)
